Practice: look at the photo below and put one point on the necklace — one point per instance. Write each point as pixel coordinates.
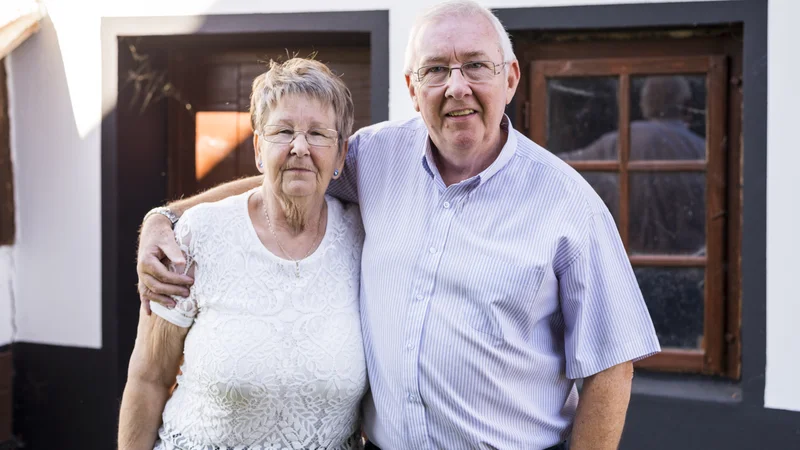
(296, 261)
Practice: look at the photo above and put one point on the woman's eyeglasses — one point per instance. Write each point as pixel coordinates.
(281, 134)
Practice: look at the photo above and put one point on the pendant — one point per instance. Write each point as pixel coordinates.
(297, 269)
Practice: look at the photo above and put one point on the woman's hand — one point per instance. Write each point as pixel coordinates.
(156, 282)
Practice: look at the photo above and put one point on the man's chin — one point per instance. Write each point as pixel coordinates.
(461, 141)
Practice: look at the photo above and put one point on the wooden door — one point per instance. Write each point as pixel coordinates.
(211, 140)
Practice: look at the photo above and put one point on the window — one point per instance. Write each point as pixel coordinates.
(650, 131)
(6, 179)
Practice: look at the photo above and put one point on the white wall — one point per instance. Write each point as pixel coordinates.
(57, 108)
(783, 231)
(56, 144)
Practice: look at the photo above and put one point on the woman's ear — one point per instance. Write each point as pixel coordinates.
(340, 160)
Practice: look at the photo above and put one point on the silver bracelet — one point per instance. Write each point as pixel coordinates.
(164, 211)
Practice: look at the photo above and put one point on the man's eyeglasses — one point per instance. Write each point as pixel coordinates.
(473, 71)
(316, 137)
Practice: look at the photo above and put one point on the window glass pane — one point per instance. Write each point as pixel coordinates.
(606, 184)
(668, 117)
(217, 136)
(582, 117)
(674, 297)
(667, 213)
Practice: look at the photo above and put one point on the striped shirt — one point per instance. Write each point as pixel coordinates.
(483, 301)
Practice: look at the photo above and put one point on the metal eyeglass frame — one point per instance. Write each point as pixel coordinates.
(421, 80)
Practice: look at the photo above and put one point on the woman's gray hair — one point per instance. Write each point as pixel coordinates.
(457, 8)
(305, 77)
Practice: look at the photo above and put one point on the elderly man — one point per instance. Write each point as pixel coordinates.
(493, 276)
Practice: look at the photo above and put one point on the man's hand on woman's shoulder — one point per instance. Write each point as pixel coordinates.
(157, 246)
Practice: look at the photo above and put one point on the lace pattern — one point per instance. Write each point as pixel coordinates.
(271, 361)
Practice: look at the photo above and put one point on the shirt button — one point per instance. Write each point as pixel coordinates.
(432, 250)
(410, 346)
(411, 398)
(446, 205)
(419, 297)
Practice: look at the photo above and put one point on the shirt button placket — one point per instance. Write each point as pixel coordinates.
(415, 411)
(416, 311)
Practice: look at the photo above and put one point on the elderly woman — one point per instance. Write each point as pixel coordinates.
(269, 334)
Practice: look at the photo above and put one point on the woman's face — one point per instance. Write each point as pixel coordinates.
(298, 169)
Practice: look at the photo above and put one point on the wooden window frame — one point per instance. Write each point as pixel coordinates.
(711, 359)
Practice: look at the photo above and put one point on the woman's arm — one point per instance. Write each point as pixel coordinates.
(152, 371)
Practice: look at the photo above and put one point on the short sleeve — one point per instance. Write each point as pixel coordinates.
(185, 309)
(606, 318)
(345, 188)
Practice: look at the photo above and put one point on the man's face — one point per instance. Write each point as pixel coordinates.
(462, 117)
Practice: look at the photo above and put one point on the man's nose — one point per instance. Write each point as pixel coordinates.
(457, 85)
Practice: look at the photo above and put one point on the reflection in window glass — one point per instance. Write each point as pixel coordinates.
(606, 184)
(668, 117)
(667, 213)
(582, 117)
(674, 297)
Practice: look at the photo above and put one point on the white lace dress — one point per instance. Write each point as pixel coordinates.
(272, 361)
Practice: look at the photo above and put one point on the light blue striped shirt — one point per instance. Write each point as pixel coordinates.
(483, 301)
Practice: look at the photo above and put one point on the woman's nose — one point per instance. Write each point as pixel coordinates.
(300, 145)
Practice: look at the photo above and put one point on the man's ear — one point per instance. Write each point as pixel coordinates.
(412, 90)
(512, 80)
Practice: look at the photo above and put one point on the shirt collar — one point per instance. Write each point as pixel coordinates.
(506, 153)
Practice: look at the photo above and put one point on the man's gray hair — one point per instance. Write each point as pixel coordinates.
(458, 8)
(304, 77)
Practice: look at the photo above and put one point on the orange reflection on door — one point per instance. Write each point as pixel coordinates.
(217, 136)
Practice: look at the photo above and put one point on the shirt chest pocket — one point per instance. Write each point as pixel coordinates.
(498, 299)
